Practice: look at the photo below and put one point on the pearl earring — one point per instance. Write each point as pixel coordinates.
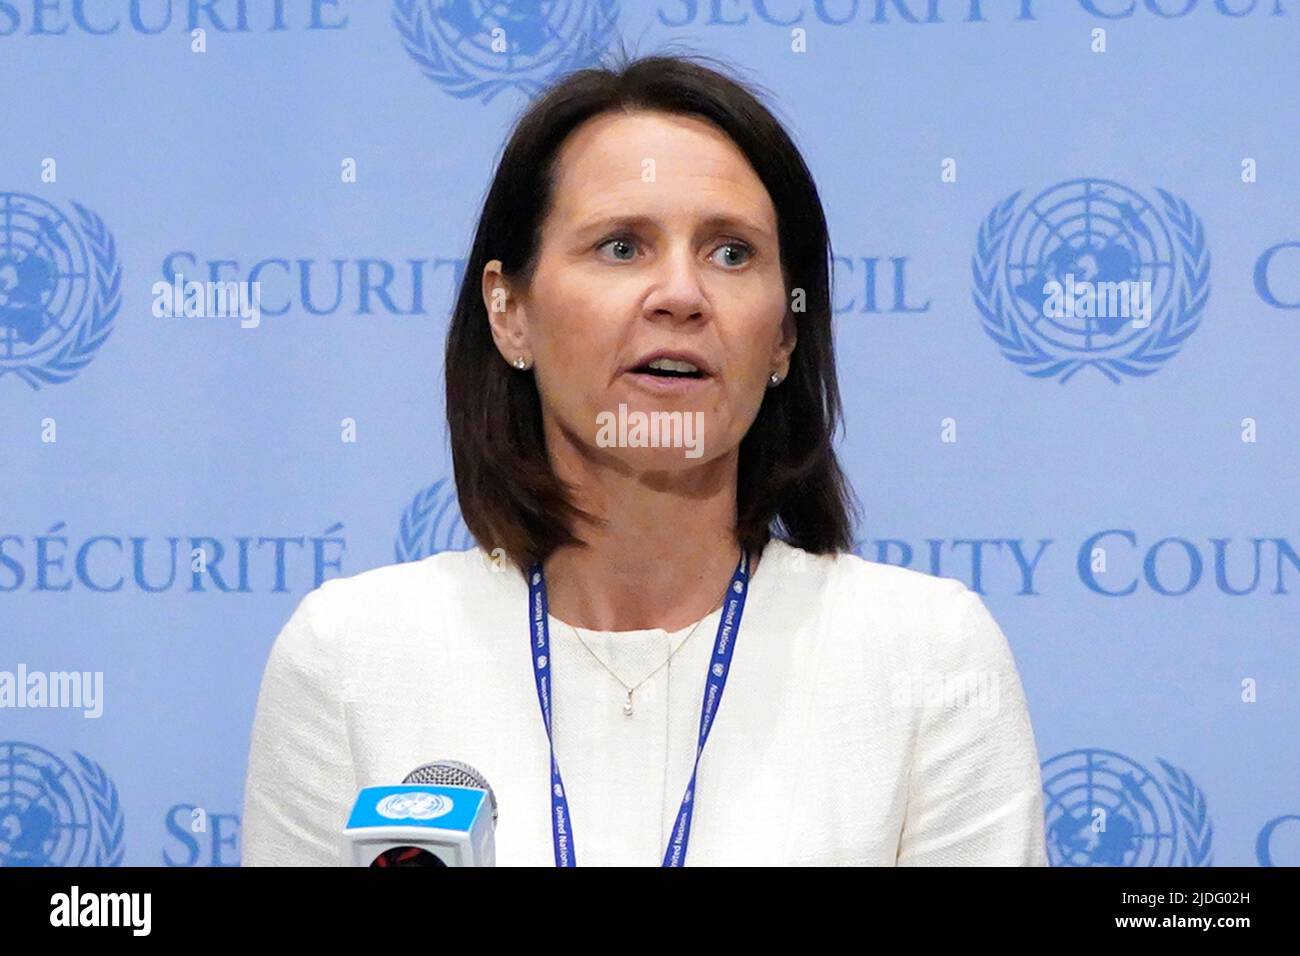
(774, 379)
(520, 362)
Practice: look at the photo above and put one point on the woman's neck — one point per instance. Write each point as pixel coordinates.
(662, 559)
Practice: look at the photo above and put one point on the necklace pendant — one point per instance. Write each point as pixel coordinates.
(627, 705)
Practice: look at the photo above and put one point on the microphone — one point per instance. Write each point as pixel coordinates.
(438, 816)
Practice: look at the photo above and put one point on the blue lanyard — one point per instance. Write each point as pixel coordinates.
(719, 666)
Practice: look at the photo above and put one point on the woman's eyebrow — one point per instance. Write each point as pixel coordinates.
(720, 220)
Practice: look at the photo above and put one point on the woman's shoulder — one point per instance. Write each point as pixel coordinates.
(891, 603)
(400, 584)
(391, 601)
(849, 578)
(894, 582)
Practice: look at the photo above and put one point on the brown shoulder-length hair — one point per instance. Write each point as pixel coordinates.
(789, 482)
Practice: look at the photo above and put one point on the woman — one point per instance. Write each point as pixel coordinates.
(641, 396)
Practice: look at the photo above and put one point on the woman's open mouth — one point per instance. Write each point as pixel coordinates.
(668, 376)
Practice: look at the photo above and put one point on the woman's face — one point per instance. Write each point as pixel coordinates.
(661, 240)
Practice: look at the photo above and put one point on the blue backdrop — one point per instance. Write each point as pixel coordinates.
(1122, 492)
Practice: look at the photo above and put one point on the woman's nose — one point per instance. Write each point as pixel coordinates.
(678, 291)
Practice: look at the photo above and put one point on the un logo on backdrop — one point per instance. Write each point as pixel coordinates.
(51, 816)
(60, 289)
(432, 523)
(480, 47)
(1104, 809)
(1091, 274)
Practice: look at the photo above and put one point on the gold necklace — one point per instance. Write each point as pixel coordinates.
(627, 704)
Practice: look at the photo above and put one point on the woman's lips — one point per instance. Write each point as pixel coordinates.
(667, 384)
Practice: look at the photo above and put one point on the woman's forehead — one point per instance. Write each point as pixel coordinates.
(654, 164)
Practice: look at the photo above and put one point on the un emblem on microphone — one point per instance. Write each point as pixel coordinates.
(53, 816)
(1104, 809)
(1090, 274)
(60, 289)
(414, 805)
(477, 48)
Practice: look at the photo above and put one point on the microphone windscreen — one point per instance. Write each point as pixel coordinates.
(453, 773)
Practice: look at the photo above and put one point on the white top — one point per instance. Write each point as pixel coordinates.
(873, 716)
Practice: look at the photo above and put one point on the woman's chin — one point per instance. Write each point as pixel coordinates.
(664, 459)
(652, 438)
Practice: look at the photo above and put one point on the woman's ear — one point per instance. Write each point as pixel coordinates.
(506, 314)
(785, 348)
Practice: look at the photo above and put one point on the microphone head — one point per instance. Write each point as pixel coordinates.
(453, 773)
(435, 817)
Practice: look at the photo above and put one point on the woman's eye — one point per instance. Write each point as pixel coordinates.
(734, 253)
(621, 245)
(736, 249)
